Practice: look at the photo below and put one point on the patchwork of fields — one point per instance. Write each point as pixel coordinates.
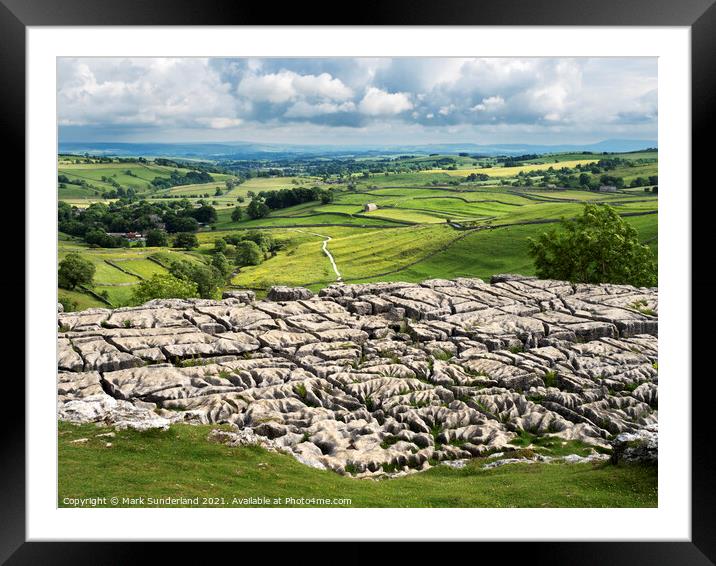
(428, 224)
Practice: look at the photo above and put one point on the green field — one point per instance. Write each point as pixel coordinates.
(428, 223)
(512, 171)
(117, 271)
(100, 177)
(181, 462)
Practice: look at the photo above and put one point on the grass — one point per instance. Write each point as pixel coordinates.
(502, 250)
(109, 278)
(513, 171)
(181, 462)
(139, 180)
(358, 253)
(81, 300)
(407, 239)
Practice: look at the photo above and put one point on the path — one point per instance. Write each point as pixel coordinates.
(327, 239)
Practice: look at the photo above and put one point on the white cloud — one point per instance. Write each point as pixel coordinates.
(143, 92)
(527, 96)
(377, 102)
(489, 104)
(220, 123)
(302, 109)
(285, 86)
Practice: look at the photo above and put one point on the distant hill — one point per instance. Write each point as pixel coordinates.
(250, 150)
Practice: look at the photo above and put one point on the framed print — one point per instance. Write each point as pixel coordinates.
(394, 279)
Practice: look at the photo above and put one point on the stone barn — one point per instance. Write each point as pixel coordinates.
(368, 207)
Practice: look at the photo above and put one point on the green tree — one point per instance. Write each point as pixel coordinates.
(157, 238)
(220, 246)
(596, 247)
(262, 239)
(326, 196)
(75, 270)
(163, 286)
(257, 208)
(186, 240)
(221, 264)
(236, 214)
(248, 253)
(207, 278)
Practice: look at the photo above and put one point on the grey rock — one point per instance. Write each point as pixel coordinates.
(281, 293)
(641, 446)
(242, 295)
(378, 379)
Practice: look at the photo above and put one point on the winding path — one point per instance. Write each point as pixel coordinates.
(324, 247)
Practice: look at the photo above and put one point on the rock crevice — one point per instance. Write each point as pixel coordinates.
(375, 378)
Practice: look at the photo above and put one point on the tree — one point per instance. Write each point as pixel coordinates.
(257, 208)
(596, 247)
(206, 277)
(222, 265)
(264, 240)
(205, 214)
(157, 238)
(236, 214)
(220, 246)
(326, 196)
(176, 223)
(248, 253)
(163, 286)
(186, 240)
(75, 270)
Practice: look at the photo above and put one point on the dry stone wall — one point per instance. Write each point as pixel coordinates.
(366, 378)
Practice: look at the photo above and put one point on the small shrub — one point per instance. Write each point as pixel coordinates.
(300, 389)
(550, 379)
(442, 355)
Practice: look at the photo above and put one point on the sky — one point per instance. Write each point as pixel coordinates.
(359, 101)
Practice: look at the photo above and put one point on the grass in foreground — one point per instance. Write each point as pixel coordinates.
(180, 462)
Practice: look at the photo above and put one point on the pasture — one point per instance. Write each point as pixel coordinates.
(513, 171)
(117, 271)
(180, 461)
(427, 223)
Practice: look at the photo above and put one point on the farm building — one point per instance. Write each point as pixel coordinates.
(131, 236)
(607, 189)
(370, 206)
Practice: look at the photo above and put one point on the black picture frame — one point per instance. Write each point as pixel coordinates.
(698, 15)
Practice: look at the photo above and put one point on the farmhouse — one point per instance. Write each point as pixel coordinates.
(130, 236)
(369, 207)
(607, 189)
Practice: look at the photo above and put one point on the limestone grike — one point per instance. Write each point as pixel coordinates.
(363, 378)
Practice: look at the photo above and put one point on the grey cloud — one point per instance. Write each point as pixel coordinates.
(415, 96)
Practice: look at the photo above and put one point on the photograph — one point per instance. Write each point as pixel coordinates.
(397, 282)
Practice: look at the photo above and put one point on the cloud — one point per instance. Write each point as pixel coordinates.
(288, 85)
(143, 92)
(420, 99)
(489, 104)
(220, 123)
(377, 102)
